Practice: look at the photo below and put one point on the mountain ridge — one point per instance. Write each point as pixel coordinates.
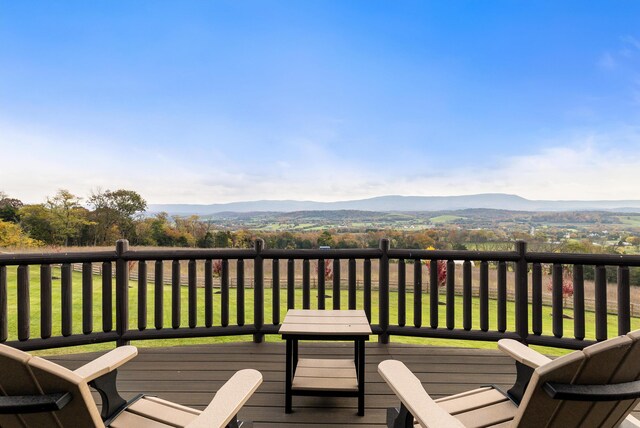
(391, 203)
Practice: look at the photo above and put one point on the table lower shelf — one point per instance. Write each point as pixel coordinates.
(325, 375)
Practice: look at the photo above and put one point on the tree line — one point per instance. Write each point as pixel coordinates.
(66, 219)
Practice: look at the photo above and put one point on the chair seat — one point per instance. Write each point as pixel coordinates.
(153, 412)
(482, 407)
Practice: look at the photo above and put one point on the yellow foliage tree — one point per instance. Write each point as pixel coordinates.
(11, 235)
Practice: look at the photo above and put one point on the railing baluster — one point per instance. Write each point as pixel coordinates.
(258, 291)
(367, 288)
(556, 299)
(484, 295)
(142, 295)
(578, 302)
(466, 295)
(502, 297)
(601, 302)
(522, 291)
(275, 288)
(208, 293)
(321, 290)
(67, 302)
(536, 298)
(107, 297)
(193, 294)
(87, 298)
(158, 295)
(24, 303)
(240, 308)
(4, 323)
(291, 284)
(336, 284)
(224, 293)
(383, 291)
(352, 283)
(434, 295)
(402, 293)
(122, 292)
(46, 302)
(306, 284)
(175, 294)
(624, 299)
(451, 294)
(417, 293)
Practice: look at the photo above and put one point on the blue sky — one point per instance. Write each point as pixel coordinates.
(221, 101)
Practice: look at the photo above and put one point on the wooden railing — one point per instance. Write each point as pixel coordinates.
(291, 277)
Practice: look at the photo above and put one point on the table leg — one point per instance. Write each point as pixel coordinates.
(288, 377)
(295, 356)
(360, 370)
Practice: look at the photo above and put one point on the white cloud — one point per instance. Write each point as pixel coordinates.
(591, 166)
(607, 62)
(632, 41)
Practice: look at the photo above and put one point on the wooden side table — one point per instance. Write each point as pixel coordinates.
(322, 376)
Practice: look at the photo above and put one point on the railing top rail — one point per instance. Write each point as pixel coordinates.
(342, 253)
(333, 253)
(55, 258)
(190, 254)
(584, 259)
(509, 256)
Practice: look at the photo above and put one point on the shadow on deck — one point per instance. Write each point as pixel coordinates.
(190, 375)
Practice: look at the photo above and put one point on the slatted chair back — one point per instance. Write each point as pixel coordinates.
(24, 375)
(610, 362)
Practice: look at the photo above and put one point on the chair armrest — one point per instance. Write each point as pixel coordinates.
(630, 422)
(13, 404)
(410, 391)
(106, 363)
(522, 353)
(228, 400)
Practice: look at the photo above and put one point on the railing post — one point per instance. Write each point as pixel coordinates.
(522, 298)
(4, 322)
(383, 290)
(258, 291)
(122, 292)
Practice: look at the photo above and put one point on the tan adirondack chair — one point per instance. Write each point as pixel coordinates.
(35, 392)
(595, 387)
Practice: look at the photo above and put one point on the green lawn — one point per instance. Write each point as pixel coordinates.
(631, 220)
(133, 304)
(444, 219)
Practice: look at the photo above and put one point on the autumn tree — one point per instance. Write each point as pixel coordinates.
(67, 216)
(242, 239)
(162, 231)
(9, 208)
(441, 271)
(325, 239)
(222, 239)
(11, 235)
(566, 286)
(36, 220)
(328, 269)
(114, 213)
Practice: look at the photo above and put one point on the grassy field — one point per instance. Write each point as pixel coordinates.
(441, 219)
(133, 293)
(630, 220)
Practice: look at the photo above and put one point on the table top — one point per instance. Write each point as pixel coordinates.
(326, 322)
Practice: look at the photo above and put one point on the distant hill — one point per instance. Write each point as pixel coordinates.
(397, 203)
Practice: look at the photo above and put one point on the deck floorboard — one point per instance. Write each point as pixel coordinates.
(190, 375)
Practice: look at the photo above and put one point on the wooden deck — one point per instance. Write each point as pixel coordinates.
(190, 375)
